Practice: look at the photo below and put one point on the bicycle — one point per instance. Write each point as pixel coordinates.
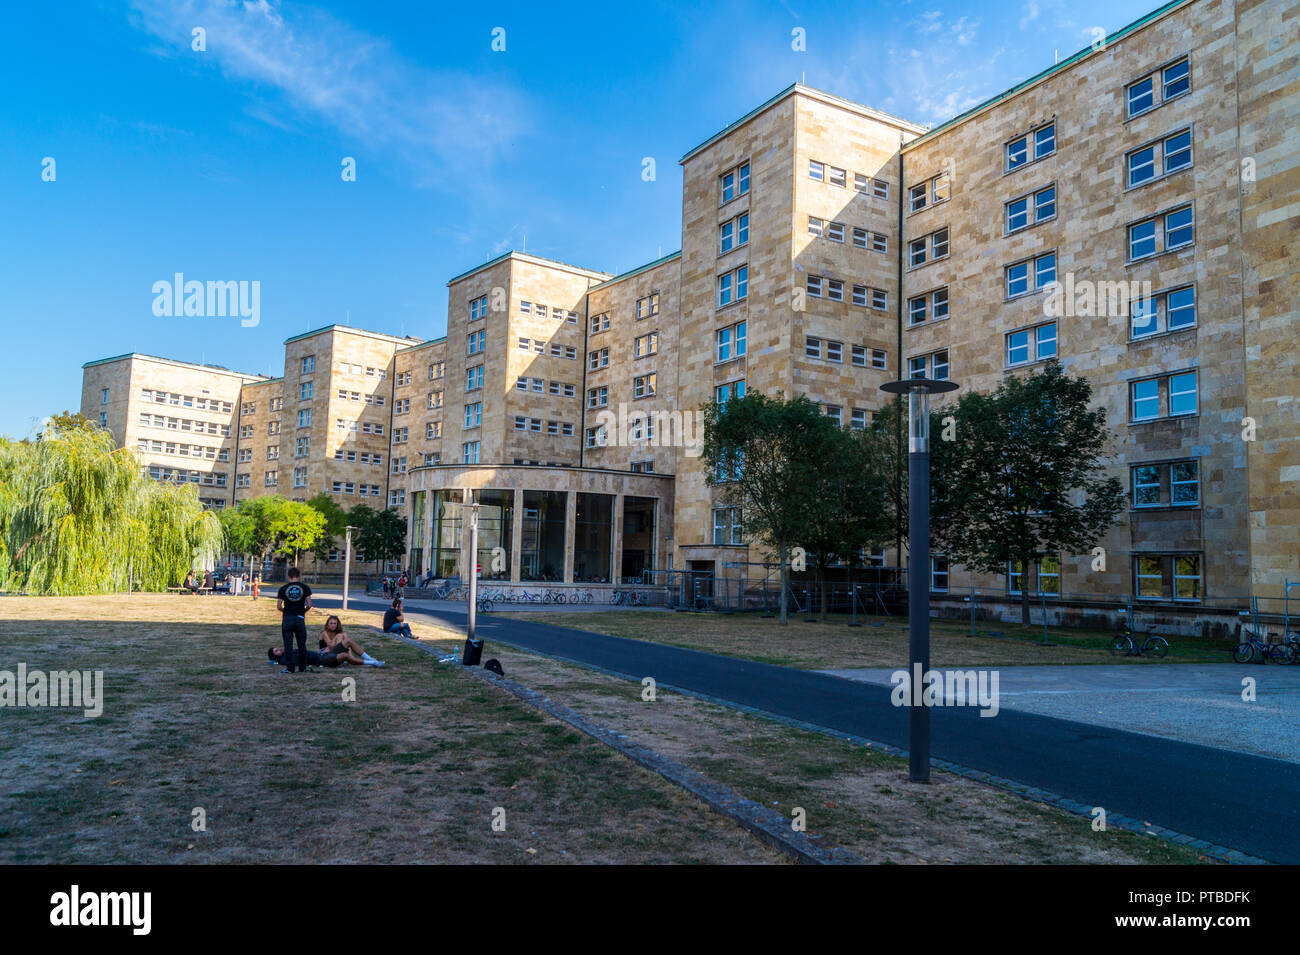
(1281, 653)
(1125, 644)
(554, 596)
(484, 604)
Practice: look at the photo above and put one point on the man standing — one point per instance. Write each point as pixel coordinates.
(293, 600)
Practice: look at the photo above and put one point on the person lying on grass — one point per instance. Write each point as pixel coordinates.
(395, 621)
(326, 658)
(334, 640)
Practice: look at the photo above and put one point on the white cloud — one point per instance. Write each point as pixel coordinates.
(1029, 13)
(444, 123)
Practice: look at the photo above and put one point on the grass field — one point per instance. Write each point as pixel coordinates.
(880, 641)
(286, 771)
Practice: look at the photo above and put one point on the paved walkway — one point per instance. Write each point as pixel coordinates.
(1196, 703)
(1247, 802)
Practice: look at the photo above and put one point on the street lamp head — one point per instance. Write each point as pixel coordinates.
(918, 391)
(929, 386)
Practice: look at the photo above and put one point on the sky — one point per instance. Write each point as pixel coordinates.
(127, 155)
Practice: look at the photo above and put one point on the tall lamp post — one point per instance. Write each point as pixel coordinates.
(918, 391)
(347, 561)
(473, 646)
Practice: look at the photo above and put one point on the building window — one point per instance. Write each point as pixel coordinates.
(474, 378)
(645, 345)
(598, 359)
(648, 306)
(469, 452)
(835, 351)
(812, 347)
(475, 342)
(474, 415)
(477, 308)
(599, 323)
(305, 391)
(1030, 275)
(835, 232)
(1034, 145)
(933, 366)
(936, 243)
(436, 370)
(433, 429)
(1166, 484)
(597, 397)
(858, 419)
(1159, 159)
(1166, 312)
(732, 389)
(1167, 576)
(835, 413)
(595, 437)
(1176, 394)
(733, 286)
(302, 447)
(1170, 81)
(918, 196)
(644, 386)
(816, 171)
(939, 575)
(434, 400)
(1047, 577)
(1030, 210)
(733, 233)
(308, 364)
(304, 418)
(1163, 233)
(734, 182)
(727, 526)
(1031, 344)
(730, 342)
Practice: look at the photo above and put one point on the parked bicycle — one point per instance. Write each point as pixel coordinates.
(484, 604)
(1256, 649)
(1126, 644)
(554, 597)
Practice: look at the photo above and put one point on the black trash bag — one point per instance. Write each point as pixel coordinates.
(494, 666)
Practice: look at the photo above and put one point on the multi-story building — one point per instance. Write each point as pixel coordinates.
(1128, 211)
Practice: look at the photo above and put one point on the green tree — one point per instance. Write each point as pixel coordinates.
(77, 516)
(336, 522)
(1024, 475)
(296, 527)
(381, 535)
(847, 509)
(764, 454)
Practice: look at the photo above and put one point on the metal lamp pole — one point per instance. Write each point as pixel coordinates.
(347, 561)
(918, 391)
(473, 646)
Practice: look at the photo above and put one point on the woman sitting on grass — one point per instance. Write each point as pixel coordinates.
(395, 622)
(334, 640)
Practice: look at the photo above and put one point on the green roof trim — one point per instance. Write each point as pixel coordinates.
(215, 369)
(809, 91)
(431, 341)
(528, 258)
(1055, 68)
(347, 328)
(637, 271)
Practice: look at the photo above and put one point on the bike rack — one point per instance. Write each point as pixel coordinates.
(1286, 606)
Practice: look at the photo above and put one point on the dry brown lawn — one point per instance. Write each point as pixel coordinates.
(879, 642)
(286, 772)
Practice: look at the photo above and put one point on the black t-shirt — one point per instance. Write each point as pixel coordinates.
(390, 618)
(294, 594)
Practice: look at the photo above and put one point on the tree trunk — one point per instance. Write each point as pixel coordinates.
(785, 585)
(1024, 596)
(823, 594)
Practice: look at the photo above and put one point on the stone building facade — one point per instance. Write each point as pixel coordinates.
(1131, 211)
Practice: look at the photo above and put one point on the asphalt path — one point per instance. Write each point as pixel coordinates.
(1241, 801)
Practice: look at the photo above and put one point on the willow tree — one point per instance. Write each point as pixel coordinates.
(77, 516)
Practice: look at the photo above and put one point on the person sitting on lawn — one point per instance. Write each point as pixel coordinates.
(395, 621)
(189, 584)
(334, 640)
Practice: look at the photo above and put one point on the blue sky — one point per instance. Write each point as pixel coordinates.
(224, 164)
